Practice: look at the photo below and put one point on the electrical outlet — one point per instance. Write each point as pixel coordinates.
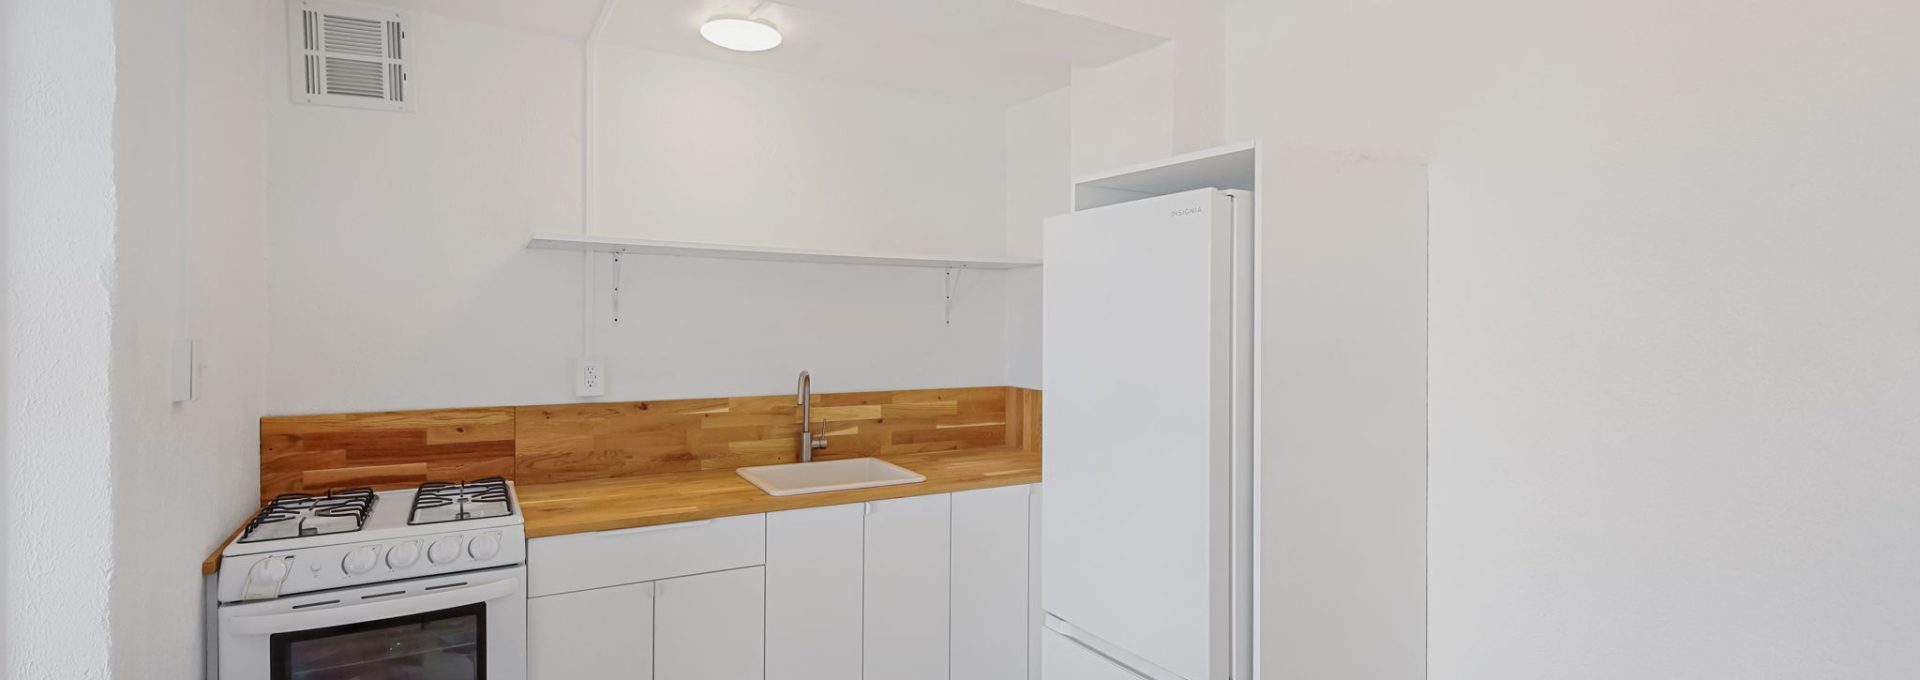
(589, 377)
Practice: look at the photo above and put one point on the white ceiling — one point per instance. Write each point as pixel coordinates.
(562, 18)
(994, 50)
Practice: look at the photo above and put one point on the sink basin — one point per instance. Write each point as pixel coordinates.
(828, 475)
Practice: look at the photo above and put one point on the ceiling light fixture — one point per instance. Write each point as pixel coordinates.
(741, 34)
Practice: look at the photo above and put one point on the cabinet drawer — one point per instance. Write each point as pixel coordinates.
(564, 564)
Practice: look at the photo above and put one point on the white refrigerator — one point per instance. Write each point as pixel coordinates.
(1148, 503)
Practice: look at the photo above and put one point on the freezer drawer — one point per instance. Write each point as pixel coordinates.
(1061, 659)
(1070, 654)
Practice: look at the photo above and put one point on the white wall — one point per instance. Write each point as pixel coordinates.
(696, 150)
(419, 292)
(57, 562)
(1162, 102)
(1343, 415)
(1039, 168)
(1672, 321)
(1038, 186)
(399, 276)
(190, 145)
(1123, 112)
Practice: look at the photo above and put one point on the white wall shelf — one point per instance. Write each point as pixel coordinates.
(1224, 167)
(640, 246)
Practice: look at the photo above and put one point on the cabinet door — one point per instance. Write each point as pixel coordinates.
(605, 633)
(814, 576)
(990, 568)
(1036, 614)
(907, 561)
(711, 626)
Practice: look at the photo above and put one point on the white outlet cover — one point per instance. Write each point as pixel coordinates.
(589, 377)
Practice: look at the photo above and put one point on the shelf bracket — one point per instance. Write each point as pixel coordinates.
(616, 287)
(952, 284)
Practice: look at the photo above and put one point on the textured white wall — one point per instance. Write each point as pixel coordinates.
(400, 276)
(58, 561)
(190, 146)
(1672, 330)
(6, 329)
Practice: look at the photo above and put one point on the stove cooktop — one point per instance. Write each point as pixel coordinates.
(300, 521)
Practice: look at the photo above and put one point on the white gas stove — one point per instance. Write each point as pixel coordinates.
(411, 583)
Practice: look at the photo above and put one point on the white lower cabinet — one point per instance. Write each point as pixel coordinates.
(704, 627)
(601, 633)
(908, 554)
(815, 572)
(674, 602)
(935, 587)
(710, 626)
(991, 608)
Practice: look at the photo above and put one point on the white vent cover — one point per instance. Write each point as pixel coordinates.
(349, 55)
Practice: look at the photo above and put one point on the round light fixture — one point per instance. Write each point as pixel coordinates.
(741, 34)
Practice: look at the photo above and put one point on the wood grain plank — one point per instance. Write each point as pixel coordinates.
(571, 442)
(607, 504)
(388, 449)
(404, 474)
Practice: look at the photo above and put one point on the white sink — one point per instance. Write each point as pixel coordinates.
(828, 475)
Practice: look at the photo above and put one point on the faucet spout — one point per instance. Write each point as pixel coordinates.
(804, 400)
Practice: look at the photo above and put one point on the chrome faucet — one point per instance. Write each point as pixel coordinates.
(808, 442)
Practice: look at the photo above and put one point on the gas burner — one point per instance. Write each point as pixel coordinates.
(295, 515)
(436, 502)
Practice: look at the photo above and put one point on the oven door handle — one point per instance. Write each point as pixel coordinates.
(268, 624)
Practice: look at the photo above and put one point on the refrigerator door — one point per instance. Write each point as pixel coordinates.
(1138, 324)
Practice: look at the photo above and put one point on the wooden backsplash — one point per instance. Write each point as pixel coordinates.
(566, 442)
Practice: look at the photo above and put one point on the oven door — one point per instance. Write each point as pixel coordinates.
(469, 626)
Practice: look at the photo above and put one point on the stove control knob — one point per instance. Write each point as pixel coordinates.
(484, 546)
(444, 550)
(403, 555)
(269, 571)
(361, 560)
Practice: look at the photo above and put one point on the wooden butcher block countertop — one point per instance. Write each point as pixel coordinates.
(621, 503)
(560, 508)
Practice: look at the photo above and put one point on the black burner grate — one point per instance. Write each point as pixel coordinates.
(271, 522)
(437, 502)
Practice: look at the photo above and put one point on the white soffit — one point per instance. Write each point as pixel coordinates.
(1000, 51)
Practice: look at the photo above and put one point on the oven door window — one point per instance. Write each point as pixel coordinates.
(449, 644)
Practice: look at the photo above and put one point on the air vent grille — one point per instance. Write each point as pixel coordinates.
(356, 78)
(349, 55)
(352, 35)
